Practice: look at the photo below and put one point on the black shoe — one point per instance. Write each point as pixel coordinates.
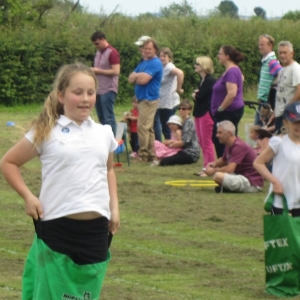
(219, 189)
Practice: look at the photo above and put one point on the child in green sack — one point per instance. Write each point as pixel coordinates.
(78, 205)
(285, 152)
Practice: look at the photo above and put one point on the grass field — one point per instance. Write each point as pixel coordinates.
(175, 243)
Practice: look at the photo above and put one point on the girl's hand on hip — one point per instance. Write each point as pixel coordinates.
(33, 207)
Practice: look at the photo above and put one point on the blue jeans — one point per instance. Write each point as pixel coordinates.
(105, 109)
(160, 122)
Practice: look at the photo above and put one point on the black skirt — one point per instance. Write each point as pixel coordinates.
(84, 241)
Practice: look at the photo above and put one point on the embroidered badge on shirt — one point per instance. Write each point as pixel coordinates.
(65, 130)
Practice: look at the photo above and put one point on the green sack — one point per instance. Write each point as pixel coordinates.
(49, 275)
(282, 252)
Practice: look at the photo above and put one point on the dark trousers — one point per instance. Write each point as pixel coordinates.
(278, 124)
(257, 120)
(278, 211)
(180, 158)
(233, 116)
(134, 141)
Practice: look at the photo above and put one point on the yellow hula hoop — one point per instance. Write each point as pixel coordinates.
(192, 183)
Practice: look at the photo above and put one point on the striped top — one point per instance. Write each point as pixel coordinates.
(269, 69)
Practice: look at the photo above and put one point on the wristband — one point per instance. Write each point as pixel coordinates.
(220, 108)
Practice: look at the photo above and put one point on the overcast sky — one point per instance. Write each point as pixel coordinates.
(274, 8)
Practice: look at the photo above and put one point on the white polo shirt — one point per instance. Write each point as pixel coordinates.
(74, 171)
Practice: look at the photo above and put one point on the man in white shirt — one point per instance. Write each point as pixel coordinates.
(288, 82)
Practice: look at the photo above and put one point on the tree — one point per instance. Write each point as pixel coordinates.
(177, 10)
(228, 8)
(13, 11)
(147, 16)
(260, 12)
(292, 15)
(42, 6)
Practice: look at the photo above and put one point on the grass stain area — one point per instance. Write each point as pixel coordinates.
(175, 243)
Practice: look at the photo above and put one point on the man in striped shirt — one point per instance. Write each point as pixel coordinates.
(268, 72)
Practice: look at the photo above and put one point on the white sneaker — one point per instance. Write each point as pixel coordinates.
(155, 163)
(133, 154)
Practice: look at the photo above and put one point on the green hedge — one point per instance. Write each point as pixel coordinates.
(31, 54)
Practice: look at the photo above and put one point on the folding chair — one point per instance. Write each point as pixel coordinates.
(121, 134)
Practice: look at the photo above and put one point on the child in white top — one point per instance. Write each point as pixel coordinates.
(78, 204)
(165, 149)
(285, 151)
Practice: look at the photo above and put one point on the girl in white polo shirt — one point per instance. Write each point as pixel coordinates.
(78, 204)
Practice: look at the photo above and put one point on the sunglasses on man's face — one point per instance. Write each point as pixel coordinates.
(182, 108)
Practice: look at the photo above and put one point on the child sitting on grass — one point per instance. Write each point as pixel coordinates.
(164, 149)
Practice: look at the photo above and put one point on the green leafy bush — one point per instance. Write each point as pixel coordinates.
(32, 50)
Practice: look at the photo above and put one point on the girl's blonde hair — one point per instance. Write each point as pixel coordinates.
(52, 109)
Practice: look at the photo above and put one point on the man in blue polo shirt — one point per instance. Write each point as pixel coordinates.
(147, 78)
